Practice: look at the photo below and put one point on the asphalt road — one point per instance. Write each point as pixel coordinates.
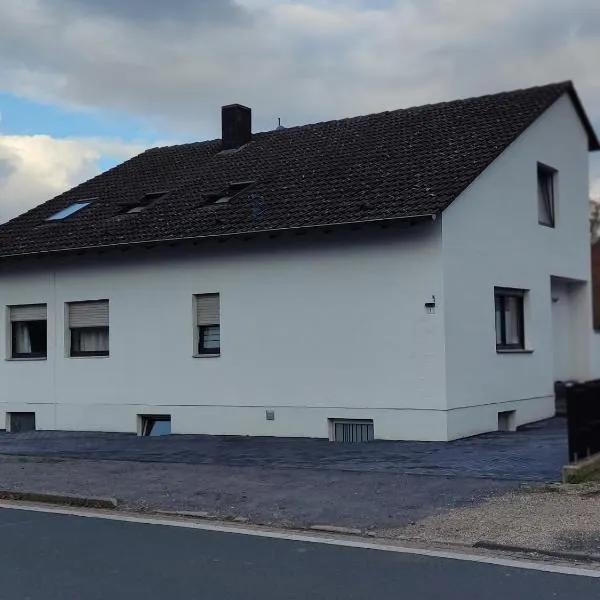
(57, 557)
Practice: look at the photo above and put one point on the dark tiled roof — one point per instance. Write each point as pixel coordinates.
(390, 165)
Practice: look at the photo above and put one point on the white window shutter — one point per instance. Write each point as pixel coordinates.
(88, 314)
(207, 309)
(29, 312)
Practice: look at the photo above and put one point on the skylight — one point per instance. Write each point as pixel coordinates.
(224, 196)
(67, 212)
(142, 204)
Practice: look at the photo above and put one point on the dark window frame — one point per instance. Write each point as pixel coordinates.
(79, 353)
(500, 297)
(202, 351)
(13, 341)
(546, 182)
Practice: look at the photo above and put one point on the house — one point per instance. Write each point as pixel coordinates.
(417, 274)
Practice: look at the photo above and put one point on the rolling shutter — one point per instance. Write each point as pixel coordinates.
(207, 309)
(88, 314)
(28, 312)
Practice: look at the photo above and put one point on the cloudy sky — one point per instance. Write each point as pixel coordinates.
(85, 84)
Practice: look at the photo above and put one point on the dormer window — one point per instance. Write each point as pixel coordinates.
(546, 180)
(63, 214)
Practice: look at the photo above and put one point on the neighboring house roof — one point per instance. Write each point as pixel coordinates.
(400, 164)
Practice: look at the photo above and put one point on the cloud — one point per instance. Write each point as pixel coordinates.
(177, 62)
(38, 167)
(203, 12)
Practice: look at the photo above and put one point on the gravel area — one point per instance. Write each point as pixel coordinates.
(273, 496)
(563, 518)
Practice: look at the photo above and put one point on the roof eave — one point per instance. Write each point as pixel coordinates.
(154, 242)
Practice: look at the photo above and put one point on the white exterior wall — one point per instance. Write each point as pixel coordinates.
(311, 329)
(491, 237)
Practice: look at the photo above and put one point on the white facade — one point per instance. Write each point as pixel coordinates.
(331, 327)
(491, 237)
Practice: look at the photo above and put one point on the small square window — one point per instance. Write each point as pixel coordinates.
(510, 320)
(208, 328)
(546, 182)
(28, 325)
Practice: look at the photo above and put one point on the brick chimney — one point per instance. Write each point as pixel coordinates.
(236, 123)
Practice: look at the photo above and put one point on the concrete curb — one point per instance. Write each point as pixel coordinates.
(336, 529)
(80, 501)
(194, 514)
(577, 556)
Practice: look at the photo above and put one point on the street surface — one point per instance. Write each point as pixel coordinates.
(45, 556)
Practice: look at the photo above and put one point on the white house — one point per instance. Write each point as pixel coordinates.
(418, 274)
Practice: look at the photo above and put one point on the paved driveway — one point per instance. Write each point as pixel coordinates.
(534, 453)
(380, 485)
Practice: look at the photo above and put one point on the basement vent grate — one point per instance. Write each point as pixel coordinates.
(346, 430)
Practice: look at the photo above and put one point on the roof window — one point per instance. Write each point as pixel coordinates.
(224, 196)
(144, 203)
(68, 211)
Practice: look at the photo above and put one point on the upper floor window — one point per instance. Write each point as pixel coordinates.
(546, 183)
(28, 335)
(208, 328)
(510, 319)
(88, 328)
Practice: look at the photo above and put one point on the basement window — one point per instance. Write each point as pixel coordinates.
(154, 425)
(507, 420)
(20, 422)
(351, 430)
(63, 214)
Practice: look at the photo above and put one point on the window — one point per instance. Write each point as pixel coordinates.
(510, 328)
(154, 425)
(224, 195)
(144, 203)
(546, 177)
(88, 328)
(349, 430)
(28, 326)
(208, 330)
(20, 422)
(68, 211)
